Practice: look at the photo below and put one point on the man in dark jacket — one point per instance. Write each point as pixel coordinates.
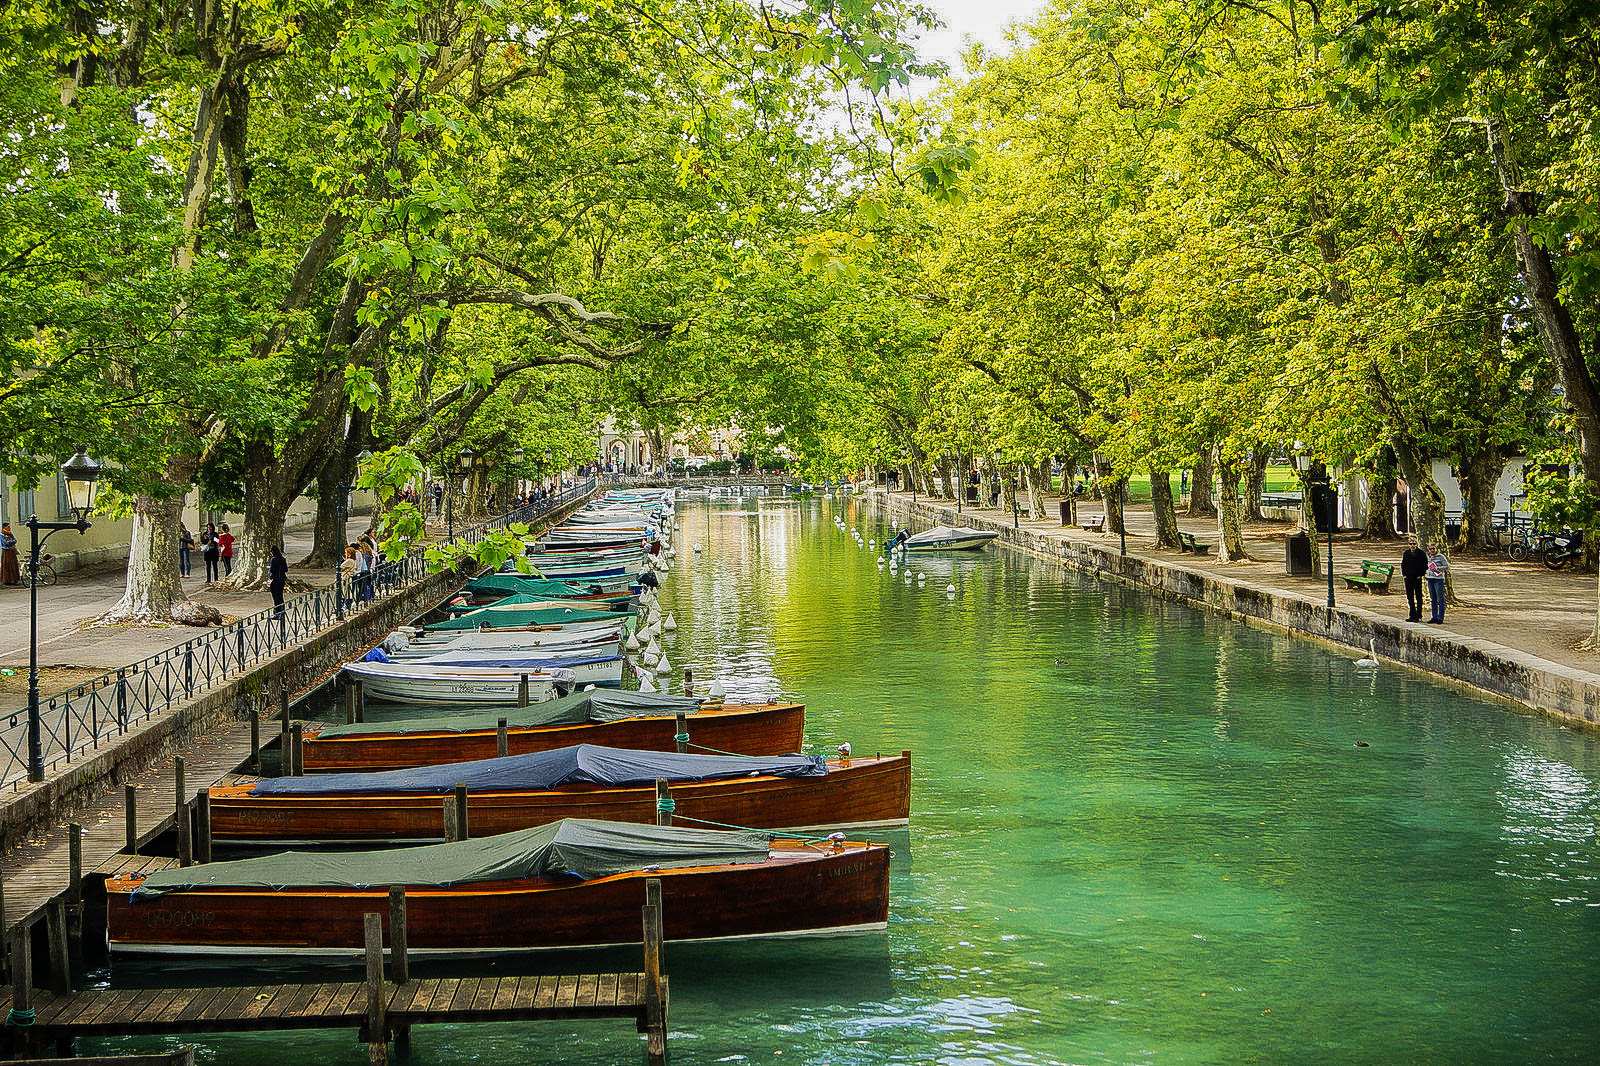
(1413, 565)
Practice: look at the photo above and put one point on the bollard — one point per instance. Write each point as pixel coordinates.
(502, 740)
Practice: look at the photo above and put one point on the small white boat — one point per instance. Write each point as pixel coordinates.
(587, 668)
(503, 641)
(948, 538)
(414, 682)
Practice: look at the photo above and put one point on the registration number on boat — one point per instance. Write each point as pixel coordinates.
(180, 919)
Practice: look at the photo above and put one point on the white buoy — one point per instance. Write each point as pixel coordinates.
(951, 589)
(697, 547)
(632, 643)
(1372, 663)
(671, 624)
(922, 575)
(644, 683)
(664, 664)
(716, 691)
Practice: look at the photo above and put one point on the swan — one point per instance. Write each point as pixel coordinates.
(1372, 663)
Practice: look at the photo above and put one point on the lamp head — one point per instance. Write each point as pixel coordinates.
(82, 475)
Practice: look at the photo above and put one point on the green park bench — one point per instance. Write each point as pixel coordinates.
(1187, 543)
(1374, 577)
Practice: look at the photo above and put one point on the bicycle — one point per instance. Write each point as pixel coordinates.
(1525, 540)
(47, 573)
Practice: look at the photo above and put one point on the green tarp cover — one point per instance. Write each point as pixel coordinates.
(502, 619)
(550, 588)
(582, 847)
(601, 705)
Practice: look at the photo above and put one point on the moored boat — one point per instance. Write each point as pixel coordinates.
(781, 792)
(402, 646)
(416, 682)
(572, 884)
(948, 538)
(613, 718)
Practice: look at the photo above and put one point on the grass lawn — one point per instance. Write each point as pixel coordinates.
(1278, 479)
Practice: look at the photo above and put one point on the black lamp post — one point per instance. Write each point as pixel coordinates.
(517, 458)
(463, 464)
(82, 475)
(1332, 496)
(1016, 510)
(1122, 513)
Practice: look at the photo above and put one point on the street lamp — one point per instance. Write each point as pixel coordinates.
(1122, 512)
(464, 465)
(82, 477)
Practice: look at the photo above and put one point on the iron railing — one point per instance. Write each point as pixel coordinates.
(86, 716)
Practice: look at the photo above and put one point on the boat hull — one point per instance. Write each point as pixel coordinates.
(855, 794)
(954, 544)
(799, 890)
(414, 682)
(744, 729)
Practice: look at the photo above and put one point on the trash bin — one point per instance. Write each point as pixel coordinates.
(1066, 512)
(1297, 554)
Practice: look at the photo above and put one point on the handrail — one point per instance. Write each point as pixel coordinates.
(87, 715)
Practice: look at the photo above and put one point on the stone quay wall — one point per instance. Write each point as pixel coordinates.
(1561, 692)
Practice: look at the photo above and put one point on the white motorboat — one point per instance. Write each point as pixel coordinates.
(587, 668)
(504, 641)
(948, 538)
(414, 682)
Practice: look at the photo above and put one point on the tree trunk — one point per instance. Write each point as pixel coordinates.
(1165, 512)
(1308, 521)
(1255, 480)
(961, 478)
(944, 478)
(986, 482)
(266, 506)
(1201, 502)
(1008, 494)
(1230, 536)
(327, 539)
(1037, 489)
(1112, 490)
(1380, 508)
(1480, 472)
(153, 587)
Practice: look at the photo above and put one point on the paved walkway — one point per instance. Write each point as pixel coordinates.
(1524, 606)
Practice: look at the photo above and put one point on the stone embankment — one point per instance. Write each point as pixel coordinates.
(1564, 692)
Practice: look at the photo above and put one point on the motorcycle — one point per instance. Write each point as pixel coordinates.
(1562, 548)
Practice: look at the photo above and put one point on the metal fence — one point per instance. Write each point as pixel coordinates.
(86, 716)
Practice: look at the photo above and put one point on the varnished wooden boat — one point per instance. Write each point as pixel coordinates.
(800, 887)
(742, 728)
(856, 793)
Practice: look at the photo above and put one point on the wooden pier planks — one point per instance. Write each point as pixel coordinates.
(36, 872)
(333, 1005)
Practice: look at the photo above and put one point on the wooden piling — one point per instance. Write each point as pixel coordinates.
(399, 963)
(185, 837)
(462, 829)
(502, 740)
(21, 972)
(283, 701)
(361, 700)
(451, 833)
(55, 927)
(522, 691)
(255, 741)
(296, 758)
(683, 733)
(74, 863)
(202, 825)
(177, 773)
(377, 1036)
(285, 764)
(349, 703)
(663, 802)
(130, 804)
(688, 682)
(655, 999)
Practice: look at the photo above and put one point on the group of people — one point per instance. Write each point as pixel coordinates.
(360, 566)
(1416, 566)
(216, 549)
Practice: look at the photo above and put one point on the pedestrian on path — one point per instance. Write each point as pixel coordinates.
(211, 551)
(225, 540)
(277, 577)
(1413, 566)
(1438, 569)
(185, 550)
(10, 567)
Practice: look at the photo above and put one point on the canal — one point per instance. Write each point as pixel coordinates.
(1139, 834)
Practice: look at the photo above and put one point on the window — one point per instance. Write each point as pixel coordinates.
(5, 500)
(24, 504)
(63, 505)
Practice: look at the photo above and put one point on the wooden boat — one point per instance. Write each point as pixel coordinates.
(417, 682)
(519, 601)
(499, 641)
(788, 792)
(743, 728)
(505, 614)
(573, 884)
(948, 538)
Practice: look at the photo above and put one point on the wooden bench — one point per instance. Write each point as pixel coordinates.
(1374, 577)
(1187, 543)
(1094, 525)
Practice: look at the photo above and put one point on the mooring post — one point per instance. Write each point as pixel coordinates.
(177, 773)
(202, 825)
(285, 764)
(283, 701)
(74, 863)
(400, 965)
(522, 691)
(655, 993)
(55, 926)
(255, 741)
(350, 703)
(377, 1037)
(185, 837)
(462, 830)
(688, 681)
(296, 753)
(664, 804)
(361, 700)
(683, 732)
(451, 834)
(21, 977)
(502, 740)
(130, 805)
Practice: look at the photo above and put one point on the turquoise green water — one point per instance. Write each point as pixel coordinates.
(1138, 835)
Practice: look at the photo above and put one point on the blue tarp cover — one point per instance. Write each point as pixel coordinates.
(580, 764)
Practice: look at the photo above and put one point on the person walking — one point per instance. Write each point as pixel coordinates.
(185, 550)
(277, 577)
(10, 565)
(1438, 570)
(225, 541)
(1413, 566)
(211, 551)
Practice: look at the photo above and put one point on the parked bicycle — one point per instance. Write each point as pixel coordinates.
(47, 573)
(1562, 548)
(1525, 540)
